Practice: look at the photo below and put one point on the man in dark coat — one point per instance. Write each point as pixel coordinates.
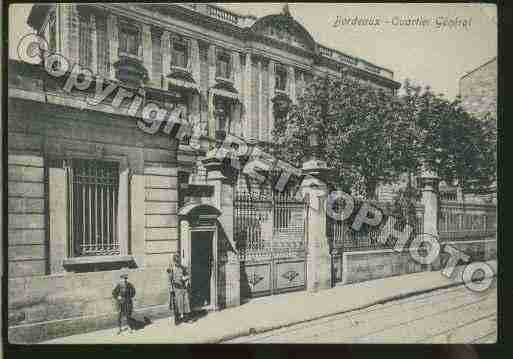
(124, 292)
(178, 289)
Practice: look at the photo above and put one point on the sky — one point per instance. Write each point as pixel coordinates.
(428, 55)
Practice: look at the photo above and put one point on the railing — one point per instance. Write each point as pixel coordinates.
(459, 221)
(342, 236)
(222, 14)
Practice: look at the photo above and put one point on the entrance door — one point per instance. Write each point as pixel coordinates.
(201, 268)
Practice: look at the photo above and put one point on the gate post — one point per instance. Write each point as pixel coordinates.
(223, 179)
(318, 258)
(429, 186)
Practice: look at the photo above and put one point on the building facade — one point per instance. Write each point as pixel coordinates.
(91, 194)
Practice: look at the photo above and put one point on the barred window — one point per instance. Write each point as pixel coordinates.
(103, 46)
(129, 39)
(94, 208)
(85, 40)
(223, 68)
(179, 53)
(280, 77)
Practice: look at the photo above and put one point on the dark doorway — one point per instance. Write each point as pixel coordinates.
(201, 268)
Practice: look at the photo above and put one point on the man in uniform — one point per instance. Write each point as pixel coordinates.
(179, 294)
(124, 292)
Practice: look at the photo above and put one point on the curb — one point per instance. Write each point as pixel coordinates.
(263, 329)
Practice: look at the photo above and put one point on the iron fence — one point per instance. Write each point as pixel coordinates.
(342, 236)
(460, 221)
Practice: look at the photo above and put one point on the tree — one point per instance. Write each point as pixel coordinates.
(360, 132)
(449, 141)
(369, 136)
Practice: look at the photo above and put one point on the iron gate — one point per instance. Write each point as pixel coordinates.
(270, 236)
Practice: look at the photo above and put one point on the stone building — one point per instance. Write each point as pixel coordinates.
(478, 90)
(91, 194)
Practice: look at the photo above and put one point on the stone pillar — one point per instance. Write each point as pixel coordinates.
(318, 259)
(429, 182)
(147, 51)
(229, 265)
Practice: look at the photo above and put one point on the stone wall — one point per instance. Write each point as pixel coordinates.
(367, 265)
(45, 307)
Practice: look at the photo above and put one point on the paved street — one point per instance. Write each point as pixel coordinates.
(416, 308)
(453, 315)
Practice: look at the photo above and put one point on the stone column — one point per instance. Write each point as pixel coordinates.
(94, 46)
(74, 24)
(260, 117)
(112, 31)
(292, 83)
(318, 259)
(270, 103)
(223, 181)
(147, 51)
(429, 182)
(237, 83)
(166, 56)
(248, 77)
(194, 64)
(211, 60)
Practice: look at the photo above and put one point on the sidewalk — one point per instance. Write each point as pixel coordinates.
(268, 313)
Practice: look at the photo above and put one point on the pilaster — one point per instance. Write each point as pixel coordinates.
(248, 123)
(292, 83)
(112, 31)
(271, 95)
(223, 182)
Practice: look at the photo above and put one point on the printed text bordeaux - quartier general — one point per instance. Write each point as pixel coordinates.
(440, 22)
